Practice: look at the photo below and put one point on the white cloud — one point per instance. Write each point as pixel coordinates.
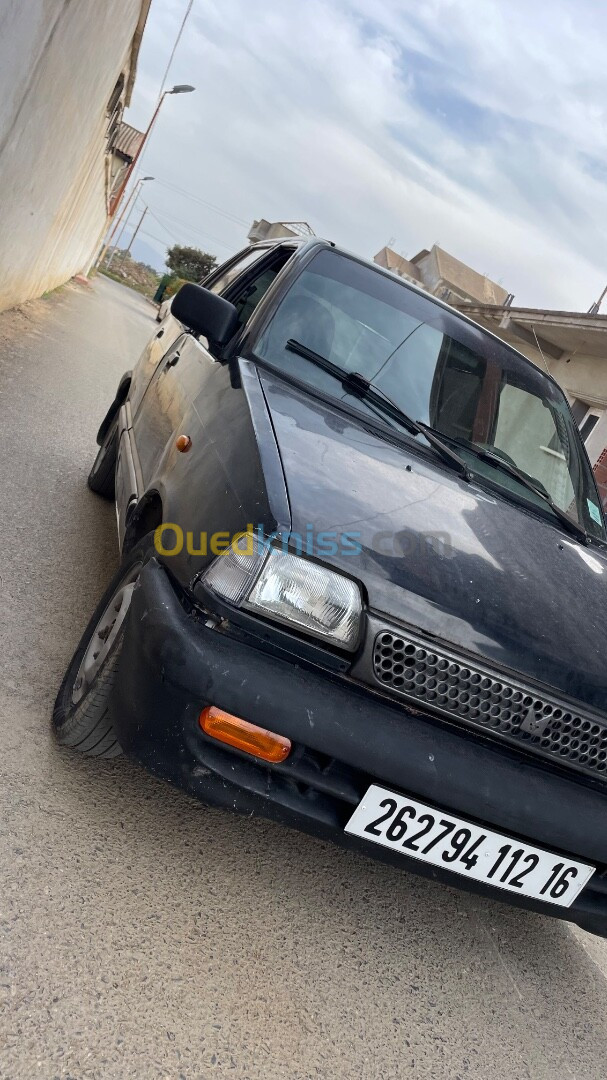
(476, 123)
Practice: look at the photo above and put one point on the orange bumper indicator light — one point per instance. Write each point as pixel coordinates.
(244, 736)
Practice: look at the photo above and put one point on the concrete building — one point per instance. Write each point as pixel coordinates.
(125, 144)
(272, 230)
(66, 73)
(443, 275)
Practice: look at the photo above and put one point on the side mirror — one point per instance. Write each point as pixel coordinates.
(205, 313)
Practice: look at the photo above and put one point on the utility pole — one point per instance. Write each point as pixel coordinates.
(594, 309)
(139, 224)
(120, 234)
(181, 88)
(130, 202)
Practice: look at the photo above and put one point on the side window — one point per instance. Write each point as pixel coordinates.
(257, 287)
(225, 279)
(531, 435)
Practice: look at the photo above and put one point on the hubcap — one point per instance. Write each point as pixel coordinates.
(104, 636)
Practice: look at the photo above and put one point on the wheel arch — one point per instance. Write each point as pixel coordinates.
(145, 518)
(121, 395)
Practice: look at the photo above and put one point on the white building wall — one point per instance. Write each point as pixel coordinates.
(59, 62)
(583, 377)
(429, 271)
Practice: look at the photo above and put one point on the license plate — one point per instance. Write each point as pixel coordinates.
(477, 853)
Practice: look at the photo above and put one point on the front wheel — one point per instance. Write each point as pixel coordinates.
(82, 717)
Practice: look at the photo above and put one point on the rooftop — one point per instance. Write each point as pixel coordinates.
(443, 275)
(556, 333)
(127, 141)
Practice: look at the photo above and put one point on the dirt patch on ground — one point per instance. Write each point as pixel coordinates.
(30, 315)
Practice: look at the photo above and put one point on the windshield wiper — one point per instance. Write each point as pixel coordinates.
(360, 386)
(535, 486)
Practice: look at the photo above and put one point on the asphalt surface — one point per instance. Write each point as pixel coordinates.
(144, 936)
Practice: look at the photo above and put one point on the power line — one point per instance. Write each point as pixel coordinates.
(203, 202)
(190, 228)
(171, 217)
(145, 233)
(184, 225)
(162, 226)
(151, 236)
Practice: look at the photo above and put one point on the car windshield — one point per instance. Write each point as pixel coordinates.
(464, 383)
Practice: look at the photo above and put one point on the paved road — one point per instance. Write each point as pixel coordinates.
(144, 936)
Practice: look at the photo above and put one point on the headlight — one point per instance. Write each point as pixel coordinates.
(289, 589)
(232, 575)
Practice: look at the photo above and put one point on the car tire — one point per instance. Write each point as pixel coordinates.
(82, 717)
(102, 476)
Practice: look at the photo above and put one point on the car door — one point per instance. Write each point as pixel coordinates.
(218, 281)
(190, 362)
(173, 385)
(151, 356)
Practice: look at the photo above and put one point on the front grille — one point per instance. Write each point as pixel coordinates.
(453, 687)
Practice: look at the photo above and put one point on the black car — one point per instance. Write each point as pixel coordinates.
(363, 587)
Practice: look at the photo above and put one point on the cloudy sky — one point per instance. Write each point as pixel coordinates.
(476, 124)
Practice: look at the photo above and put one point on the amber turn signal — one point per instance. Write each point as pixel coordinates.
(244, 736)
(183, 444)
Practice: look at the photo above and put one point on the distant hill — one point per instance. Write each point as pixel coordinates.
(129, 271)
(145, 253)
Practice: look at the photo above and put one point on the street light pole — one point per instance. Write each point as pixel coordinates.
(127, 250)
(130, 202)
(120, 235)
(181, 88)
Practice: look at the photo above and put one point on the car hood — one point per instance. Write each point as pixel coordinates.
(445, 556)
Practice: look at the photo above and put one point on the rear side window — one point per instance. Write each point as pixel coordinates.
(256, 287)
(227, 276)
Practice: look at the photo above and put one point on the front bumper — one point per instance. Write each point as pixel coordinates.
(344, 737)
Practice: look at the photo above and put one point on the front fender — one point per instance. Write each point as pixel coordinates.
(121, 395)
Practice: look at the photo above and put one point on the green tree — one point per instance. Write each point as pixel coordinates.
(189, 262)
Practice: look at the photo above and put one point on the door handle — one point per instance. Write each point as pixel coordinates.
(173, 360)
